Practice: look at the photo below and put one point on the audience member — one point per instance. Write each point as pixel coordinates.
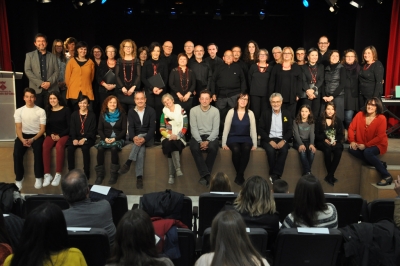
(44, 240)
(304, 137)
(220, 183)
(230, 244)
(142, 124)
(82, 134)
(324, 52)
(280, 186)
(58, 118)
(310, 209)
(41, 68)
(213, 60)
(328, 139)
(250, 53)
(368, 138)
(173, 127)
(5, 240)
(13, 227)
(275, 131)
(204, 125)
(82, 211)
(30, 124)
(240, 135)
(112, 131)
(135, 242)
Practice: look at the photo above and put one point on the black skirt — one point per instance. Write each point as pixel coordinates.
(169, 146)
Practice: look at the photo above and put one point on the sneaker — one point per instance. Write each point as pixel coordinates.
(47, 180)
(56, 180)
(272, 178)
(38, 183)
(171, 180)
(19, 184)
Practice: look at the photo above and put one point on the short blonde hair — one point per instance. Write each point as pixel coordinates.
(167, 95)
(121, 48)
(291, 51)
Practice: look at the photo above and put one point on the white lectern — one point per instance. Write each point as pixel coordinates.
(7, 104)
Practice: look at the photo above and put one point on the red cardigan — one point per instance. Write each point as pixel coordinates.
(373, 135)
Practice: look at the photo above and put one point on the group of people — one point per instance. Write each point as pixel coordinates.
(153, 95)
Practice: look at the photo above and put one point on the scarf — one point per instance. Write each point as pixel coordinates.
(111, 117)
(352, 67)
(176, 118)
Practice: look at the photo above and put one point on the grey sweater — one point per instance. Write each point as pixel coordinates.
(303, 131)
(204, 123)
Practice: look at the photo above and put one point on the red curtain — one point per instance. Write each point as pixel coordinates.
(5, 52)
(393, 59)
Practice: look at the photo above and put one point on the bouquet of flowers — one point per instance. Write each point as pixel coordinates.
(330, 134)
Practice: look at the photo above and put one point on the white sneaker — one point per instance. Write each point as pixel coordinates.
(38, 183)
(47, 180)
(56, 180)
(19, 183)
(171, 180)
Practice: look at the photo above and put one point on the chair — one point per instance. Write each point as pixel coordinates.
(34, 201)
(258, 237)
(284, 204)
(348, 208)
(94, 245)
(381, 209)
(187, 245)
(186, 212)
(210, 204)
(298, 249)
(119, 208)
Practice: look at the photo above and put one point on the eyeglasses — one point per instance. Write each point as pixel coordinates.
(277, 53)
(323, 43)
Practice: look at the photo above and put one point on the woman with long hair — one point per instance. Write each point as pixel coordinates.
(310, 208)
(128, 72)
(240, 135)
(286, 78)
(58, 118)
(44, 240)
(370, 76)
(107, 89)
(313, 81)
(135, 242)
(368, 138)
(258, 77)
(335, 75)
(112, 131)
(230, 244)
(173, 127)
(220, 182)
(328, 139)
(59, 51)
(351, 92)
(304, 136)
(250, 53)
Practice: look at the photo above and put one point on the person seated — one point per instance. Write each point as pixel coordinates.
(230, 244)
(44, 240)
(280, 186)
(396, 215)
(310, 208)
(13, 225)
(5, 240)
(368, 139)
(220, 183)
(135, 242)
(82, 211)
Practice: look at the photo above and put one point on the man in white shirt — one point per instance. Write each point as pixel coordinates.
(30, 123)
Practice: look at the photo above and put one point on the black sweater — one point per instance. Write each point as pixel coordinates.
(58, 122)
(228, 80)
(213, 63)
(320, 135)
(105, 129)
(148, 71)
(89, 127)
(102, 70)
(136, 127)
(202, 72)
(259, 80)
(371, 80)
(276, 80)
(307, 79)
(175, 82)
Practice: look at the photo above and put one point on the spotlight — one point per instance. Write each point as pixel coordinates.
(379, 2)
(357, 4)
(103, 2)
(44, 1)
(88, 2)
(217, 14)
(77, 4)
(129, 11)
(261, 15)
(305, 3)
(333, 7)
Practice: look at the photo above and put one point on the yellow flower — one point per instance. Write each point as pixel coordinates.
(284, 119)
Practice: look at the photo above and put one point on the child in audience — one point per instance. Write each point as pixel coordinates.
(310, 209)
(304, 135)
(280, 186)
(230, 243)
(220, 182)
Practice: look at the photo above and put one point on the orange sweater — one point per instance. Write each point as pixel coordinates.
(79, 78)
(373, 135)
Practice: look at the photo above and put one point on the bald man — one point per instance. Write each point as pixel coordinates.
(169, 57)
(202, 71)
(189, 48)
(227, 82)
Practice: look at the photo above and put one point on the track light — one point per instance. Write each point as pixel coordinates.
(333, 7)
(90, 2)
(261, 15)
(379, 2)
(305, 3)
(357, 4)
(44, 1)
(77, 4)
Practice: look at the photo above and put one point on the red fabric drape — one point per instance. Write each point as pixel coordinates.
(5, 52)
(393, 59)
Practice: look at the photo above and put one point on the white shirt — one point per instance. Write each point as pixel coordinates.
(276, 125)
(31, 119)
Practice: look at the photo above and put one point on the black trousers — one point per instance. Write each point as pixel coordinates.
(19, 152)
(276, 157)
(331, 162)
(258, 104)
(154, 101)
(86, 157)
(240, 156)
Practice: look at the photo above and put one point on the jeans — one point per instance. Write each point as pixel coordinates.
(140, 155)
(19, 152)
(204, 167)
(306, 157)
(240, 156)
(348, 117)
(370, 157)
(276, 157)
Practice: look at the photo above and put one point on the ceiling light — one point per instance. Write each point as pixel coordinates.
(357, 4)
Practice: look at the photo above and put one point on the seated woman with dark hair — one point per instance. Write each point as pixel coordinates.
(368, 139)
(230, 243)
(310, 209)
(135, 242)
(44, 240)
(220, 183)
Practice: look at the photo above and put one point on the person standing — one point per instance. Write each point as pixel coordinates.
(202, 71)
(213, 60)
(59, 51)
(30, 125)
(189, 47)
(324, 52)
(41, 68)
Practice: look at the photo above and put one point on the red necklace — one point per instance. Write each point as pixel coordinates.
(366, 67)
(126, 80)
(184, 87)
(262, 69)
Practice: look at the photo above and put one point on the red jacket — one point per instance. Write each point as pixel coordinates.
(373, 135)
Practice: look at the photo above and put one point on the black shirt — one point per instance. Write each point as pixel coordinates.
(228, 80)
(148, 71)
(42, 62)
(324, 59)
(214, 62)
(259, 80)
(202, 72)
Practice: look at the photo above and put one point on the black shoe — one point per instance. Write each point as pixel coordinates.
(385, 181)
(112, 180)
(273, 178)
(205, 180)
(329, 180)
(334, 179)
(124, 169)
(139, 182)
(239, 180)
